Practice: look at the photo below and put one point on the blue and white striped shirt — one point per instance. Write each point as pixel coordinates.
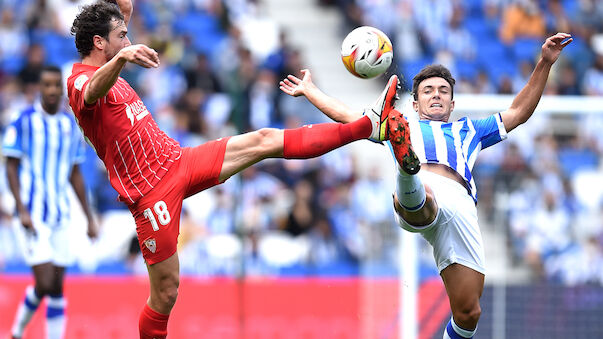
(48, 146)
(456, 144)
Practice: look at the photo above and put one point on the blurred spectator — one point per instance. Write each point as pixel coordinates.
(301, 219)
(557, 19)
(459, 40)
(568, 81)
(66, 10)
(432, 18)
(592, 84)
(40, 15)
(521, 78)
(29, 74)
(522, 19)
(13, 41)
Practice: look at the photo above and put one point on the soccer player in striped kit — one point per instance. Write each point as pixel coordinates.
(43, 147)
(149, 170)
(435, 193)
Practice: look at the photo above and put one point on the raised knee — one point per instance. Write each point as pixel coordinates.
(267, 140)
(467, 317)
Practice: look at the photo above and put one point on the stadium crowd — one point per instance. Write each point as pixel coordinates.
(322, 216)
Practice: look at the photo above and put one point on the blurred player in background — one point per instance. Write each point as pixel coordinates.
(439, 201)
(43, 147)
(149, 170)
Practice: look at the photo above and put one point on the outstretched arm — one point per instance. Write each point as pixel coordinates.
(126, 8)
(106, 76)
(331, 107)
(526, 101)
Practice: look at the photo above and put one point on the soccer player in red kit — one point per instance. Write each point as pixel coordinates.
(149, 170)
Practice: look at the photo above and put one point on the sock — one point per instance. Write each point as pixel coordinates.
(25, 311)
(55, 316)
(152, 325)
(410, 190)
(454, 331)
(313, 140)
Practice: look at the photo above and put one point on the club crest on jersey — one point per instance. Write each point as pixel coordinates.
(80, 81)
(151, 245)
(136, 109)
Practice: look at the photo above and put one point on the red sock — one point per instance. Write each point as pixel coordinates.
(152, 325)
(313, 140)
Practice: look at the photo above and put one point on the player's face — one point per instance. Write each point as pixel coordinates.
(51, 90)
(118, 39)
(434, 99)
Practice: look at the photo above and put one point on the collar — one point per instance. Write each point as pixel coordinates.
(79, 67)
(39, 108)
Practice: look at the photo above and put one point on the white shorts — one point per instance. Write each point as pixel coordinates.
(454, 234)
(49, 245)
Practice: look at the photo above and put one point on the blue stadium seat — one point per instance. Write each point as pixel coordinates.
(473, 7)
(526, 48)
(149, 15)
(466, 69)
(59, 49)
(12, 65)
(410, 68)
(203, 28)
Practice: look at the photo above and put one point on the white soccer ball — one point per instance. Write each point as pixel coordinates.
(366, 52)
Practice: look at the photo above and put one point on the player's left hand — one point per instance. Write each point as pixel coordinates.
(295, 86)
(553, 45)
(92, 229)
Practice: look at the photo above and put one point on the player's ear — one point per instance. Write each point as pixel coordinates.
(415, 106)
(451, 106)
(98, 42)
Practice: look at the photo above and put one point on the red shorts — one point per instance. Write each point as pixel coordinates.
(157, 214)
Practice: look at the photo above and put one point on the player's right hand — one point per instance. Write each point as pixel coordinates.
(295, 86)
(141, 55)
(25, 219)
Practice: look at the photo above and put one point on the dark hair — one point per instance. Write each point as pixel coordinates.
(52, 69)
(432, 71)
(94, 19)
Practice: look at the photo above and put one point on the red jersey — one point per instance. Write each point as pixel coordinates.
(136, 153)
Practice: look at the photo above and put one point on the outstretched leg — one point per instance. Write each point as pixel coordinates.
(309, 141)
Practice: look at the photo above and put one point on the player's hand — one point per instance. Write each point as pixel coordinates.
(140, 55)
(295, 86)
(26, 222)
(92, 229)
(553, 45)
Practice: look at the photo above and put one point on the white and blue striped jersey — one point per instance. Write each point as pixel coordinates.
(48, 145)
(456, 144)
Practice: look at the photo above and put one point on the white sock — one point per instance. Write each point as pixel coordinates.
(453, 331)
(410, 190)
(55, 317)
(25, 311)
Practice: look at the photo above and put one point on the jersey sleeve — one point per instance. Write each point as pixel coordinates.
(12, 142)
(76, 94)
(490, 130)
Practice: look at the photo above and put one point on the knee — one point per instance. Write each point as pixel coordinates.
(167, 292)
(468, 315)
(267, 141)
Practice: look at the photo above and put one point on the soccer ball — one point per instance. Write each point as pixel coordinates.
(366, 52)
